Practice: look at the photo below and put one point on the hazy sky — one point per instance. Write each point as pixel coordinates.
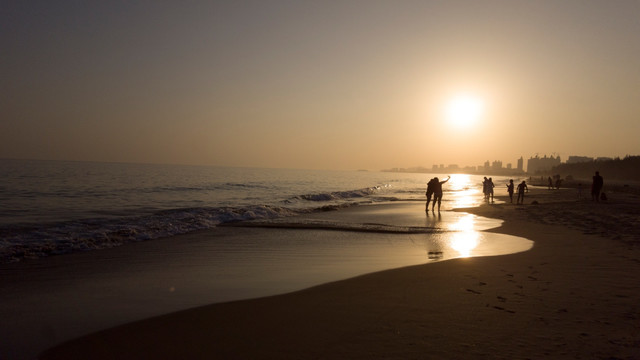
(317, 84)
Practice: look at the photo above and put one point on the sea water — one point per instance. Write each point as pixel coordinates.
(53, 207)
(57, 207)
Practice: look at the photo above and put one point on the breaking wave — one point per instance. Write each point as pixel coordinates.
(29, 241)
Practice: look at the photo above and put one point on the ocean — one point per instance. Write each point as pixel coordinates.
(58, 207)
(52, 208)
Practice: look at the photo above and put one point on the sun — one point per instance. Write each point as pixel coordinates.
(464, 111)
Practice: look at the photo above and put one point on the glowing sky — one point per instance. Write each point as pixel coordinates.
(317, 84)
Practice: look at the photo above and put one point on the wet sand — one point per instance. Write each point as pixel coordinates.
(573, 295)
(47, 301)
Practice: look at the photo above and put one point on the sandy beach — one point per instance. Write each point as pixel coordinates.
(247, 180)
(573, 295)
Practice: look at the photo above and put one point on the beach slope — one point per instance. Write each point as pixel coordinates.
(573, 295)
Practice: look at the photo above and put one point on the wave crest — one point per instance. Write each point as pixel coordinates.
(26, 241)
(340, 195)
(33, 241)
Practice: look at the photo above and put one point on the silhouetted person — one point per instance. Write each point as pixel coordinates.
(550, 183)
(485, 187)
(490, 187)
(596, 187)
(430, 187)
(510, 188)
(437, 192)
(521, 188)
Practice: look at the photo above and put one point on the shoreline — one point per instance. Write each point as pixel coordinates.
(91, 291)
(574, 294)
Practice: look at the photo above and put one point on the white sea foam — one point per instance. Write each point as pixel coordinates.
(37, 240)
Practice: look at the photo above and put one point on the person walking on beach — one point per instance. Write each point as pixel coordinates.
(596, 187)
(490, 187)
(521, 188)
(437, 192)
(485, 186)
(510, 189)
(430, 187)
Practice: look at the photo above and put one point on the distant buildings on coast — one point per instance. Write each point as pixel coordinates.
(494, 168)
(542, 165)
(535, 165)
(539, 164)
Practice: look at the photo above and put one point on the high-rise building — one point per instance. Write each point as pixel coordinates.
(521, 164)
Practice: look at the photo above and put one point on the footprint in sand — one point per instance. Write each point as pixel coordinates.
(503, 309)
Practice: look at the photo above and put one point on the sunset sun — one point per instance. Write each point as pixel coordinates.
(464, 110)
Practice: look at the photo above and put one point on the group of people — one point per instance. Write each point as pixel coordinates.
(558, 182)
(434, 188)
(488, 185)
(487, 188)
(522, 187)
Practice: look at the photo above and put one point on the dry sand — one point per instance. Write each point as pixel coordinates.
(574, 295)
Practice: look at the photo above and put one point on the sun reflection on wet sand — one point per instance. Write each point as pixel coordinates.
(465, 222)
(465, 236)
(464, 242)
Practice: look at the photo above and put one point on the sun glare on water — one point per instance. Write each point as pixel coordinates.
(464, 111)
(464, 238)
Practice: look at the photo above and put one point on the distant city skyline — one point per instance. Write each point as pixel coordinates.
(522, 165)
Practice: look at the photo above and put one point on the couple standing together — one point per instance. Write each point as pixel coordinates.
(434, 188)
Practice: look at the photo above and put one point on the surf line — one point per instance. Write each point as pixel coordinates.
(364, 227)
